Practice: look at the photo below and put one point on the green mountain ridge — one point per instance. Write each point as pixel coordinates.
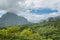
(45, 30)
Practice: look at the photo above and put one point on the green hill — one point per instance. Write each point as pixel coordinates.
(46, 30)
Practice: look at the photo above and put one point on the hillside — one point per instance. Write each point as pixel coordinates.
(10, 19)
(46, 30)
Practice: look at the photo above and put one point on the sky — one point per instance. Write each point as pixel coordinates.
(32, 10)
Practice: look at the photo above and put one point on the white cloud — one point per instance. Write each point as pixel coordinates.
(20, 5)
(41, 3)
(35, 17)
(36, 4)
(2, 12)
(22, 8)
(10, 5)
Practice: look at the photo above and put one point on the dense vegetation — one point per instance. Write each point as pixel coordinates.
(46, 30)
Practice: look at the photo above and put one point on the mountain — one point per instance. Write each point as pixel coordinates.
(10, 19)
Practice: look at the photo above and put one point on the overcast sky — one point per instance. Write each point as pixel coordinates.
(32, 10)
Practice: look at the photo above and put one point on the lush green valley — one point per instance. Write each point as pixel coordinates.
(46, 30)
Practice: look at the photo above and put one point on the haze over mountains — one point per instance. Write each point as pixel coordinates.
(10, 19)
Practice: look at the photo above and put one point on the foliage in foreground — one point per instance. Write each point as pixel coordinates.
(46, 30)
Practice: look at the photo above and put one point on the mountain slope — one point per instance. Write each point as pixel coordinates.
(10, 19)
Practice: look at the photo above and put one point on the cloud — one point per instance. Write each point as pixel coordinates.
(36, 17)
(22, 8)
(28, 4)
(41, 3)
(21, 5)
(2, 12)
(38, 4)
(10, 5)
